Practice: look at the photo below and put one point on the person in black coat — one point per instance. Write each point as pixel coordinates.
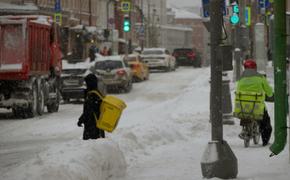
(91, 106)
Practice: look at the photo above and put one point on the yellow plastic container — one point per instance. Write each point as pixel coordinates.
(110, 112)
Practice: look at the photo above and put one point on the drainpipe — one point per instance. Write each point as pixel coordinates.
(280, 130)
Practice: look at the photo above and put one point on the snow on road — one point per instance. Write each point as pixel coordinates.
(161, 136)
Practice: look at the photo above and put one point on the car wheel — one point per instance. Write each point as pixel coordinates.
(40, 99)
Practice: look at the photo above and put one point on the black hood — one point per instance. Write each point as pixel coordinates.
(91, 81)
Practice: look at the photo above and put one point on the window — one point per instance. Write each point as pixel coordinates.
(109, 64)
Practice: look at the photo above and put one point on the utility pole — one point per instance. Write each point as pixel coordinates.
(224, 163)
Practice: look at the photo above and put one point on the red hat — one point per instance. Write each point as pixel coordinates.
(250, 64)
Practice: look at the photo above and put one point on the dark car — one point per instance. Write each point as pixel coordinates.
(187, 57)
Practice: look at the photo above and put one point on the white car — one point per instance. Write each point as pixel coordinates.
(158, 58)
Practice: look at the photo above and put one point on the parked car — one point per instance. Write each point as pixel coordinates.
(139, 67)
(159, 58)
(72, 79)
(115, 72)
(186, 56)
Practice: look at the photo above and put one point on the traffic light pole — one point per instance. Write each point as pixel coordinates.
(218, 159)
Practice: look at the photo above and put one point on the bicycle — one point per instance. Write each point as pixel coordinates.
(249, 108)
(251, 128)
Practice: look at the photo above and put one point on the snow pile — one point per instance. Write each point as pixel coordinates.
(174, 115)
(76, 159)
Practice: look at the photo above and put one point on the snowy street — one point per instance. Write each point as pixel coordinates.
(162, 135)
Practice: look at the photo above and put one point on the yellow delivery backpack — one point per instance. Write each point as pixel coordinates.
(249, 105)
(110, 111)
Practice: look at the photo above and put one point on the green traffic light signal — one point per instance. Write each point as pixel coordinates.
(126, 25)
(234, 19)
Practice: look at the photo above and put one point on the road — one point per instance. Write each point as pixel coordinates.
(22, 139)
(162, 134)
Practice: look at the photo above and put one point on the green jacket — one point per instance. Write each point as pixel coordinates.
(251, 81)
(250, 95)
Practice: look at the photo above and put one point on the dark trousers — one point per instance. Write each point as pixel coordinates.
(265, 128)
(93, 132)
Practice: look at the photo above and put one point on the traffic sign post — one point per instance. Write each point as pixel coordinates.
(58, 18)
(126, 6)
(57, 15)
(57, 6)
(248, 16)
(205, 8)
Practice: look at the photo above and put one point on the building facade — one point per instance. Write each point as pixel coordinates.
(200, 36)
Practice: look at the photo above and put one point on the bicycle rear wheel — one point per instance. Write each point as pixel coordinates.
(256, 132)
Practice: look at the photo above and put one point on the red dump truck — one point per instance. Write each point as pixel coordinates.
(30, 65)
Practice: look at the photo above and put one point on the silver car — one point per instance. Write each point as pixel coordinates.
(115, 72)
(72, 79)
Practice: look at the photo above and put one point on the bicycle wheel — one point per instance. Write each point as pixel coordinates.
(246, 143)
(248, 135)
(256, 132)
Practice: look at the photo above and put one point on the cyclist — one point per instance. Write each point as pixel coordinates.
(252, 81)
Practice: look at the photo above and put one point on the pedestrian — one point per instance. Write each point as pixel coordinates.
(104, 51)
(91, 108)
(92, 53)
(252, 81)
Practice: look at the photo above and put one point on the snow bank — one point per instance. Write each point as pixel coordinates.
(77, 159)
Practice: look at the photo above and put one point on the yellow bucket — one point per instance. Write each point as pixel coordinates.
(110, 112)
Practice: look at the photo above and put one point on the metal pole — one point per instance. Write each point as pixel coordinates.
(280, 77)
(148, 24)
(216, 70)
(80, 11)
(90, 12)
(107, 13)
(142, 26)
(224, 164)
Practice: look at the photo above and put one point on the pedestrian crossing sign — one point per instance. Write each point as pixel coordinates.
(58, 18)
(125, 6)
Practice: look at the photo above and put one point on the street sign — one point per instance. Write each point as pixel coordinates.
(248, 15)
(262, 3)
(206, 7)
(125, 6)
(57, 6)
(58, 18)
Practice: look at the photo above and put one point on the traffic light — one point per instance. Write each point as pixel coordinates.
(235, 19)
(126, 24)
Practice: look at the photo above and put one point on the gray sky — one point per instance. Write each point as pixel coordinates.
(183, 3)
